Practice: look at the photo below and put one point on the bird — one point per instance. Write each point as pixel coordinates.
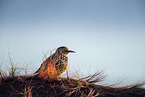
(55, 64)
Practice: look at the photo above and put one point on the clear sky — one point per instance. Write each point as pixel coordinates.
(106, 34)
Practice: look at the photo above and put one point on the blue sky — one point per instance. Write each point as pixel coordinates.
(106, 34)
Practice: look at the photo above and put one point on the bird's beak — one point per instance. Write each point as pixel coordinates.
(70, 51)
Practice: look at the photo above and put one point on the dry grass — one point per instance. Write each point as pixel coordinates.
(13, 85)
(32, 86)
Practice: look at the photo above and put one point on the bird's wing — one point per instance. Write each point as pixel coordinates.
(46, 62)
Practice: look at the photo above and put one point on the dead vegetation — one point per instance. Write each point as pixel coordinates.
(13, 85)
(32, 86)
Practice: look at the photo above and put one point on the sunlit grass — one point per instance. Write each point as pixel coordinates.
(47, 84)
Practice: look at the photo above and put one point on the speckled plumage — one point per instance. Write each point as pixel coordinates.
(57, 61)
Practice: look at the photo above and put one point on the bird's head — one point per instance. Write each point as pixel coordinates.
(64, 50)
